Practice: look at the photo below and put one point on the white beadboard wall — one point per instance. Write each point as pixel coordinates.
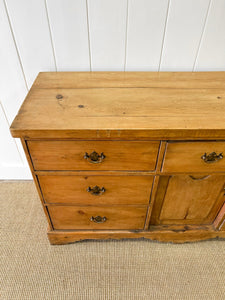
(99, 35)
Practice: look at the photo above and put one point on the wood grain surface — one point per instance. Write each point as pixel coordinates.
(119, 190)
(175, 80)
(79, 217)
(187, 157)
(150, 131)
(69, 155)
(65, 237)
(128, 104)
(187, 199)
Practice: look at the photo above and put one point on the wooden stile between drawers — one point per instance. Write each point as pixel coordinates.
(127, 155)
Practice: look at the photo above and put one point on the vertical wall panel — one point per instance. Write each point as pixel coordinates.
(146, 24)
(9, 154)
(11, 165)
(68, 22)
(184, 29)
(107, 23)
(123, 34)
(212, 50)
(12, 84)
(13, 91)
(30, 26)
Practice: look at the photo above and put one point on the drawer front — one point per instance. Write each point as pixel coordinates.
(194, 157)
(93, 155)
(89, 217)
(96, 190)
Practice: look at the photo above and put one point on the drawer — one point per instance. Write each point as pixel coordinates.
(102, 217)
(97, 190)
(194, 157)
(93, 155)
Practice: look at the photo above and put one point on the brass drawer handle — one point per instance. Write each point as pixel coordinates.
(98, 219)
(94, 157)
(212, 157)
(96, 190)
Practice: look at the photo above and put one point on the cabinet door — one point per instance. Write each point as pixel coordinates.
(188, 199)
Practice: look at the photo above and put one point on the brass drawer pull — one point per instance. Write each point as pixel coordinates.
(98, 219)
(96, 190)
(212, 157)
(94, 157)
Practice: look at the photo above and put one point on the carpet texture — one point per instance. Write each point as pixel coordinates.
(130, 269)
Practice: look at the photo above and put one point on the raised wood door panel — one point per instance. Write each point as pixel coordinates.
(188, 157)
(80, 217)
(70, 155)
(188, 199)
(113, 190)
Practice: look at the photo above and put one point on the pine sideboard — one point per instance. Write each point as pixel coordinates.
(127, 155)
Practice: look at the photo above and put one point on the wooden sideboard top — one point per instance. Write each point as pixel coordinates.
(124, 105)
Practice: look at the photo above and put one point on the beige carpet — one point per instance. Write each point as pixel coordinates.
(129, 269)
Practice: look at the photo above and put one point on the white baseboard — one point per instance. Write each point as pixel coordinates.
(15, 173)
